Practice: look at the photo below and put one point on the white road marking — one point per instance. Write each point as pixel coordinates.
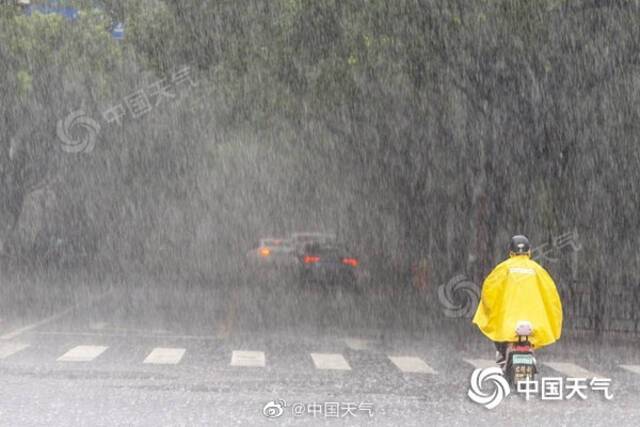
(332, 361)
(481, 363)
(82, 353)
(124, 334)
(570, 369)
(165, 356)
(411, 365)
(632, 368)
(254, 359)
(9, 348)
(20, 331)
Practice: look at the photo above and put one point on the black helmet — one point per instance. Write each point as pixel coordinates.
(519, 245)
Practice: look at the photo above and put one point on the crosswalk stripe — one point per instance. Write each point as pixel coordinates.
(331, 361)
(322, 361)
(10, 348)
(248, 358)
(632, 368)
(82, 353)
(411, 365)
(481, 363)
(165, 356)
(570, 369)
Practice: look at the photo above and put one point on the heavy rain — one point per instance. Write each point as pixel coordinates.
(285, 212)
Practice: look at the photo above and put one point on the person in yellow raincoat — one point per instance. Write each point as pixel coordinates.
(519, 289)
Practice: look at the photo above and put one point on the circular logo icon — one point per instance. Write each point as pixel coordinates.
(492, 375)
(459, 297)
(274, 409)
(74, 123)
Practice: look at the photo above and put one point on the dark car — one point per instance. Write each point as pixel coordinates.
(301, 239)
(329, 265)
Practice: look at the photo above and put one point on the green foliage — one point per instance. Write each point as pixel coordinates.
(444, 124)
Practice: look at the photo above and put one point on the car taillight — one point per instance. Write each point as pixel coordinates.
(311, 259)
(350, 261)
(265, 252)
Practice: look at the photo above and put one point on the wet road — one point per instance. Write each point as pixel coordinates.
(134, 355)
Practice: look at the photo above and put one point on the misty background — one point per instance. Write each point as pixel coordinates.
(423, 133)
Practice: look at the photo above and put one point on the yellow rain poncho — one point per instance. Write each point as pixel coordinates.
(519, 289)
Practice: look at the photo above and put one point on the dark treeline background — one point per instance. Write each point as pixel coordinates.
(423, 132)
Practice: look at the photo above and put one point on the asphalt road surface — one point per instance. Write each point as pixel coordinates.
(169, 355)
